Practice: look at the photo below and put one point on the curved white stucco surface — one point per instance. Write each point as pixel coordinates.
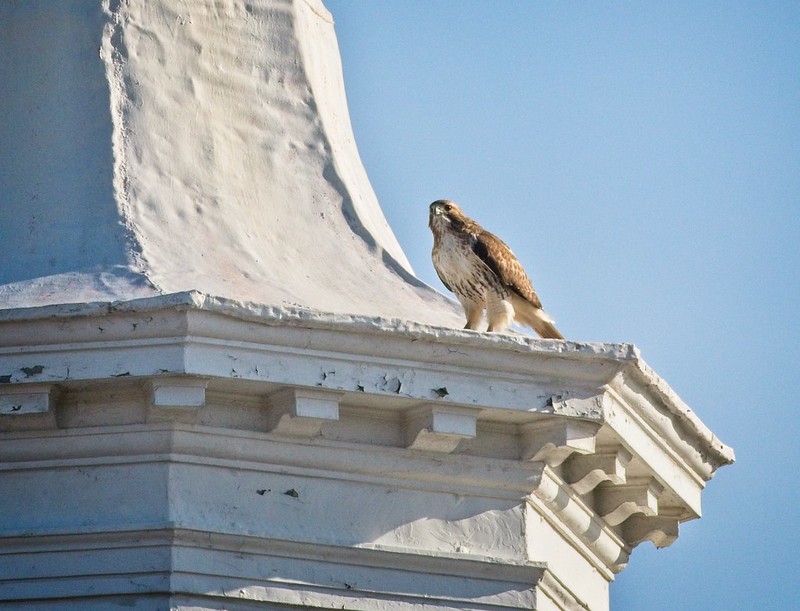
(159, 147)
(61, 235)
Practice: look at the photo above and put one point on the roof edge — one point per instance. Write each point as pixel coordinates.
(626, 355)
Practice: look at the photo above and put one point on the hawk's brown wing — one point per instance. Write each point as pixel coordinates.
(494, 252)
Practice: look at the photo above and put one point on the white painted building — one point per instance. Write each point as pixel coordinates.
(221, 385)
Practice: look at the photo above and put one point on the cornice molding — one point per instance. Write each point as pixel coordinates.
(623, 362)
(602, 448)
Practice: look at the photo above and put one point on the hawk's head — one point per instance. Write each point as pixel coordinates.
(444, 214)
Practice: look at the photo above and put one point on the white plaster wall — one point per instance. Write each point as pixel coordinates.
(110, 511)
(75, 497)
(210, 495)
(58, 214)
(221, 500)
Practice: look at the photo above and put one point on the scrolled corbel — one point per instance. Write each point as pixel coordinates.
(615, 504)
(553, 440)
(585, 472)
(662, 531)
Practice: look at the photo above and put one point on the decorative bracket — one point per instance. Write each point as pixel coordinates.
(553, 440)
(20, 399)
(662, 531)
(615, 504)
(439, 429)
(176, 398)
(584, 473)
(301, 412)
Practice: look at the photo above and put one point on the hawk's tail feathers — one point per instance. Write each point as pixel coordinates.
(536, 318)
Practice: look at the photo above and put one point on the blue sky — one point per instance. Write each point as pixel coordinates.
(643, 161)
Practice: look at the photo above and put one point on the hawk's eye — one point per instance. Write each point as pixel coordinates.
(448, 207)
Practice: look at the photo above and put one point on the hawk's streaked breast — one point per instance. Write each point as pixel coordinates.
(462, 270)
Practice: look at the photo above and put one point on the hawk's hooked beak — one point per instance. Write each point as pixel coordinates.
(438, 209)
(439, 213)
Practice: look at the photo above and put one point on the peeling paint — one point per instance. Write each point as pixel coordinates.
(391, 384)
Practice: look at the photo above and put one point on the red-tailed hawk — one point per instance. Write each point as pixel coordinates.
(484, 274)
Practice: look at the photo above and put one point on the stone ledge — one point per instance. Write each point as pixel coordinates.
(615, 358)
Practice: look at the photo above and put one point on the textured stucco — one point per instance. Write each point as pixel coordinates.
(162, 147)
